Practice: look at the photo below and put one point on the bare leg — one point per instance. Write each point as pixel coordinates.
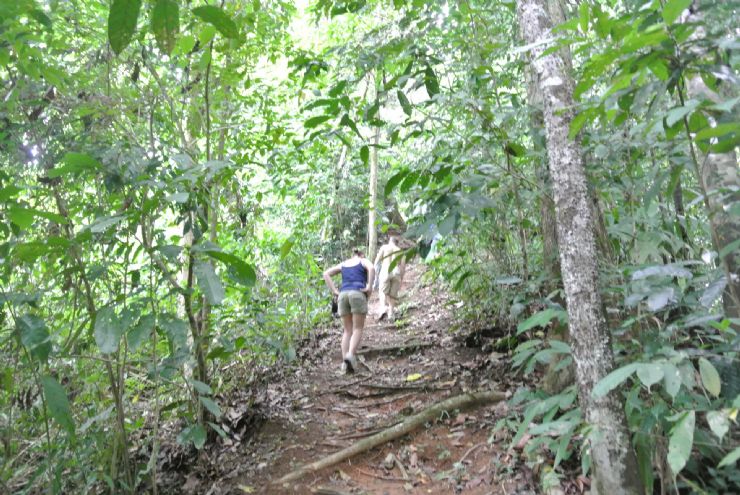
(391, 306)
(381, 297)
(358, 326)
(347, 336)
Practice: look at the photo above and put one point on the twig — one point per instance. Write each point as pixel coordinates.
(471, 449)
(380, 477)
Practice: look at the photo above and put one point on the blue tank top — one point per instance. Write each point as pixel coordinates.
(354, 277)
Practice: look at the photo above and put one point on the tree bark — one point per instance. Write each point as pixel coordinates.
(372, 231)
(614, 461)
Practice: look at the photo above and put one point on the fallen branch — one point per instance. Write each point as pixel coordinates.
(396, 349)
(463, 401)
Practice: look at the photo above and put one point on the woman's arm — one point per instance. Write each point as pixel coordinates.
(327, 278)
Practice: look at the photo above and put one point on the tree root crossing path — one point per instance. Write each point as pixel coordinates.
(418, 416)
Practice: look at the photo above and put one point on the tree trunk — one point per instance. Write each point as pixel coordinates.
(372, 231)
(615, 465)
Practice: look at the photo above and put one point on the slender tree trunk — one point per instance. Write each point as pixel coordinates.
(372, 231)
(615, 465)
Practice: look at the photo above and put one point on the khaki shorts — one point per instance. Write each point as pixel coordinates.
(352, 302)
(390, 286)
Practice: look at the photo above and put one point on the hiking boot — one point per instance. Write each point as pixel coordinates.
(382, 316)
(344, 367)
(351, 364)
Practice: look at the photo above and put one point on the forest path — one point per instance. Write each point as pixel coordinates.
(314, 410)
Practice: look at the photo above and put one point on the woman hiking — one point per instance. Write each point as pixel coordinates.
(357, 278)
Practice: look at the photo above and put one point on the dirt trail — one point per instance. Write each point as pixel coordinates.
(321, 411)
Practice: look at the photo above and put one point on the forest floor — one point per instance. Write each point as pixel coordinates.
(309, 410)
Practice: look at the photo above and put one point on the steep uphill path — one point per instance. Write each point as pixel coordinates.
(406, 366)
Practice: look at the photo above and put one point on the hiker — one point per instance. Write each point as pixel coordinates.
(390, 278)
(357, 278)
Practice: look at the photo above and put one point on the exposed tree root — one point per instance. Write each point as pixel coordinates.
(463, 401)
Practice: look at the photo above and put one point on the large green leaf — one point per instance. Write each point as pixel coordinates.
(679, 445)
(58, 403)
(709, 377)
(23, 217)
(614, 379)
(650, 373)
(165, 24)
(209, 282)
(365, 154)
(673, 8)
(194, 434)
(431, 83)
(405, 103)
(122, 20)
(175, 329)
(34, 336)
(108, 330)
(75, 163)
(210, 405)
(140, 332)
(245, 274)
(719, 423)
(540, 319)
(730, 458)
(219, 19)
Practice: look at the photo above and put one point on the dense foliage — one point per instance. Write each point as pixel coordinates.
(174, 176)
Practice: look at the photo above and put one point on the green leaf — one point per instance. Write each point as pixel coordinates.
(101, 224)
(671, 379)
(365, 155)
(140, 332)
(209, 282)
(679, 445)
(75, 163)
(346, 121)
(219, 19)
(650, 373)
(165, 24)
(614, 379)
(730, 458)
(201, 387)
(108, 330)
(405, 103)
(709, 377)
(41, 17)
(175, 329)
(719, 423)
(315, 121)
(194, 434)
(717, 131)
(122, 20)
(540, 319)
(210, 405)
(58, 403)
(673, 8)
(394, 181)
(245, 273)
(23, 217)
(430, 82)
(286, 247)
(34, 336)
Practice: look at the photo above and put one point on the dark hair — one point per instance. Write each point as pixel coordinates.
(357, 251)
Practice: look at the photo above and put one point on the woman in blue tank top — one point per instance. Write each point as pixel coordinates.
(358, 275)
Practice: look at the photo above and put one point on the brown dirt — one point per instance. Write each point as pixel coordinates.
(316, 410)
